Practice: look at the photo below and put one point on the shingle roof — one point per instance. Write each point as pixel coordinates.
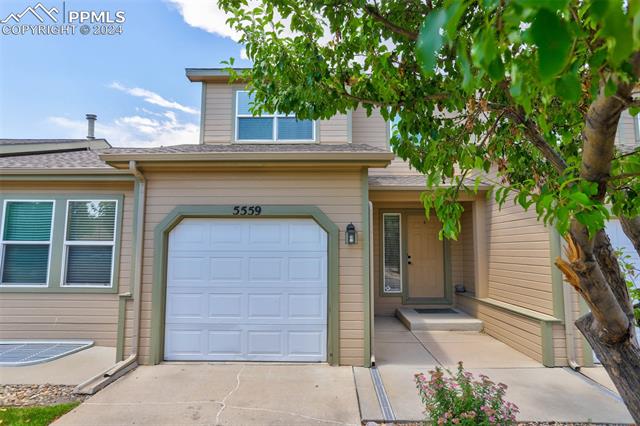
(411, 181)
(249, 148)
(5, 142)
(56, 160)
(389, 181)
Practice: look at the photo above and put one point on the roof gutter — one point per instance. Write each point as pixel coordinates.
(250, 156)
(122, 367)
(141, 193)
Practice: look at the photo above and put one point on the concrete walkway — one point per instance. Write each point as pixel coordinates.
(69, 370)
(225, 394)
(543, 394)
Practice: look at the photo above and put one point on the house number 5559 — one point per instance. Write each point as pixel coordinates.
(247, 210)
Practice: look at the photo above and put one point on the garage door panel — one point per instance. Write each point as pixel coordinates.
(226, 305)
(247, 289)
(266, 269)
(185, 269)
(220, 342)
(186, 305)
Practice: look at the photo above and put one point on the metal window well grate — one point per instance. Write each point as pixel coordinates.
(18, 353)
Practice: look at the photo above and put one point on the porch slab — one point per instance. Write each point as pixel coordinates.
(543, 394)
(478, 352)
(445, 320)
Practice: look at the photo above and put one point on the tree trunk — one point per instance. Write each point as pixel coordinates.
(621, 360)
(631, 228)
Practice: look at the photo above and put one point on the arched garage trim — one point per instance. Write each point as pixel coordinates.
(159, 289)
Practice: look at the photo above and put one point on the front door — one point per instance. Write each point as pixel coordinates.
(425, 261)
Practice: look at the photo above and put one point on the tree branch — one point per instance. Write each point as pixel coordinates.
(375, 14)
(631, 228)
(536, 138)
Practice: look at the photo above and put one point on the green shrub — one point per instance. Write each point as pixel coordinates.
(460, 399)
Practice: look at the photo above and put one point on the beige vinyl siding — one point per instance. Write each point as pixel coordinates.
(522, 334)
(398, 167)
(519, 258)
(372, 130)
(337, 194)
(92, 316)
(219, 113)
(334, 131)
(627, 135)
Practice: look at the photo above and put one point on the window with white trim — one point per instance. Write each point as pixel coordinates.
(269, 127)
(392, 253)
(26, 243)
(89, 243)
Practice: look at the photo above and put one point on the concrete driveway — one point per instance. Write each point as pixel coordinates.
(543, 394)
(225, 394)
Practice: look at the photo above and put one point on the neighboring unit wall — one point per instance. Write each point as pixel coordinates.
(337, 193)
(519, 308)
(628, 135)
(519, 258)
(372, 130)
(39, 315)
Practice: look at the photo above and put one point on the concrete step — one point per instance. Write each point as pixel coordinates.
(438, 320)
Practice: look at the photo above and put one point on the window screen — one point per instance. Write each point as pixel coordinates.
(26, 241)
(268, 127)
(392, 253)
(89, 243)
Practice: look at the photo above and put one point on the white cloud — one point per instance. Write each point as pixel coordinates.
(153, 98)
(206, 15)
(134, 130)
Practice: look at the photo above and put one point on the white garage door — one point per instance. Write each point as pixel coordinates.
(247, 289)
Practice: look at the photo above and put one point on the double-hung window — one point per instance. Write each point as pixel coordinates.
(26, 243)
(392, 253)
(89, 243)
(269, 127)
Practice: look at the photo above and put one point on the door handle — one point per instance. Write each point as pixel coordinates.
(409, 259)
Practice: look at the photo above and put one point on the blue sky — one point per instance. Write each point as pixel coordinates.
(134, 82)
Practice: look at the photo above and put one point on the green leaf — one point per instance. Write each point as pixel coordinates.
(546, 4)
(553, 40)
(610, 88)
(634, 111)
(569, 87)
(581, 198)
(430, 40)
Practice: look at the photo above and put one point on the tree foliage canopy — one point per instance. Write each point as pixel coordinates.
(472, 84)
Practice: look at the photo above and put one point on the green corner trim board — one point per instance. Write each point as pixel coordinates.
(367, 268)
(161, 234)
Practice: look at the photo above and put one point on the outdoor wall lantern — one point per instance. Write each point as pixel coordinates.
(351, 236)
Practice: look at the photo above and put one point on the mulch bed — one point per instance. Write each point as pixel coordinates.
(32, 395)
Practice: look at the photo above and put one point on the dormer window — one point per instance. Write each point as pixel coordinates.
(269, 127)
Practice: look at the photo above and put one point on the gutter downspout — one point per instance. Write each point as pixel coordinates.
(371, 288)
(137, 266)
(569, 333)
(94, 384)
